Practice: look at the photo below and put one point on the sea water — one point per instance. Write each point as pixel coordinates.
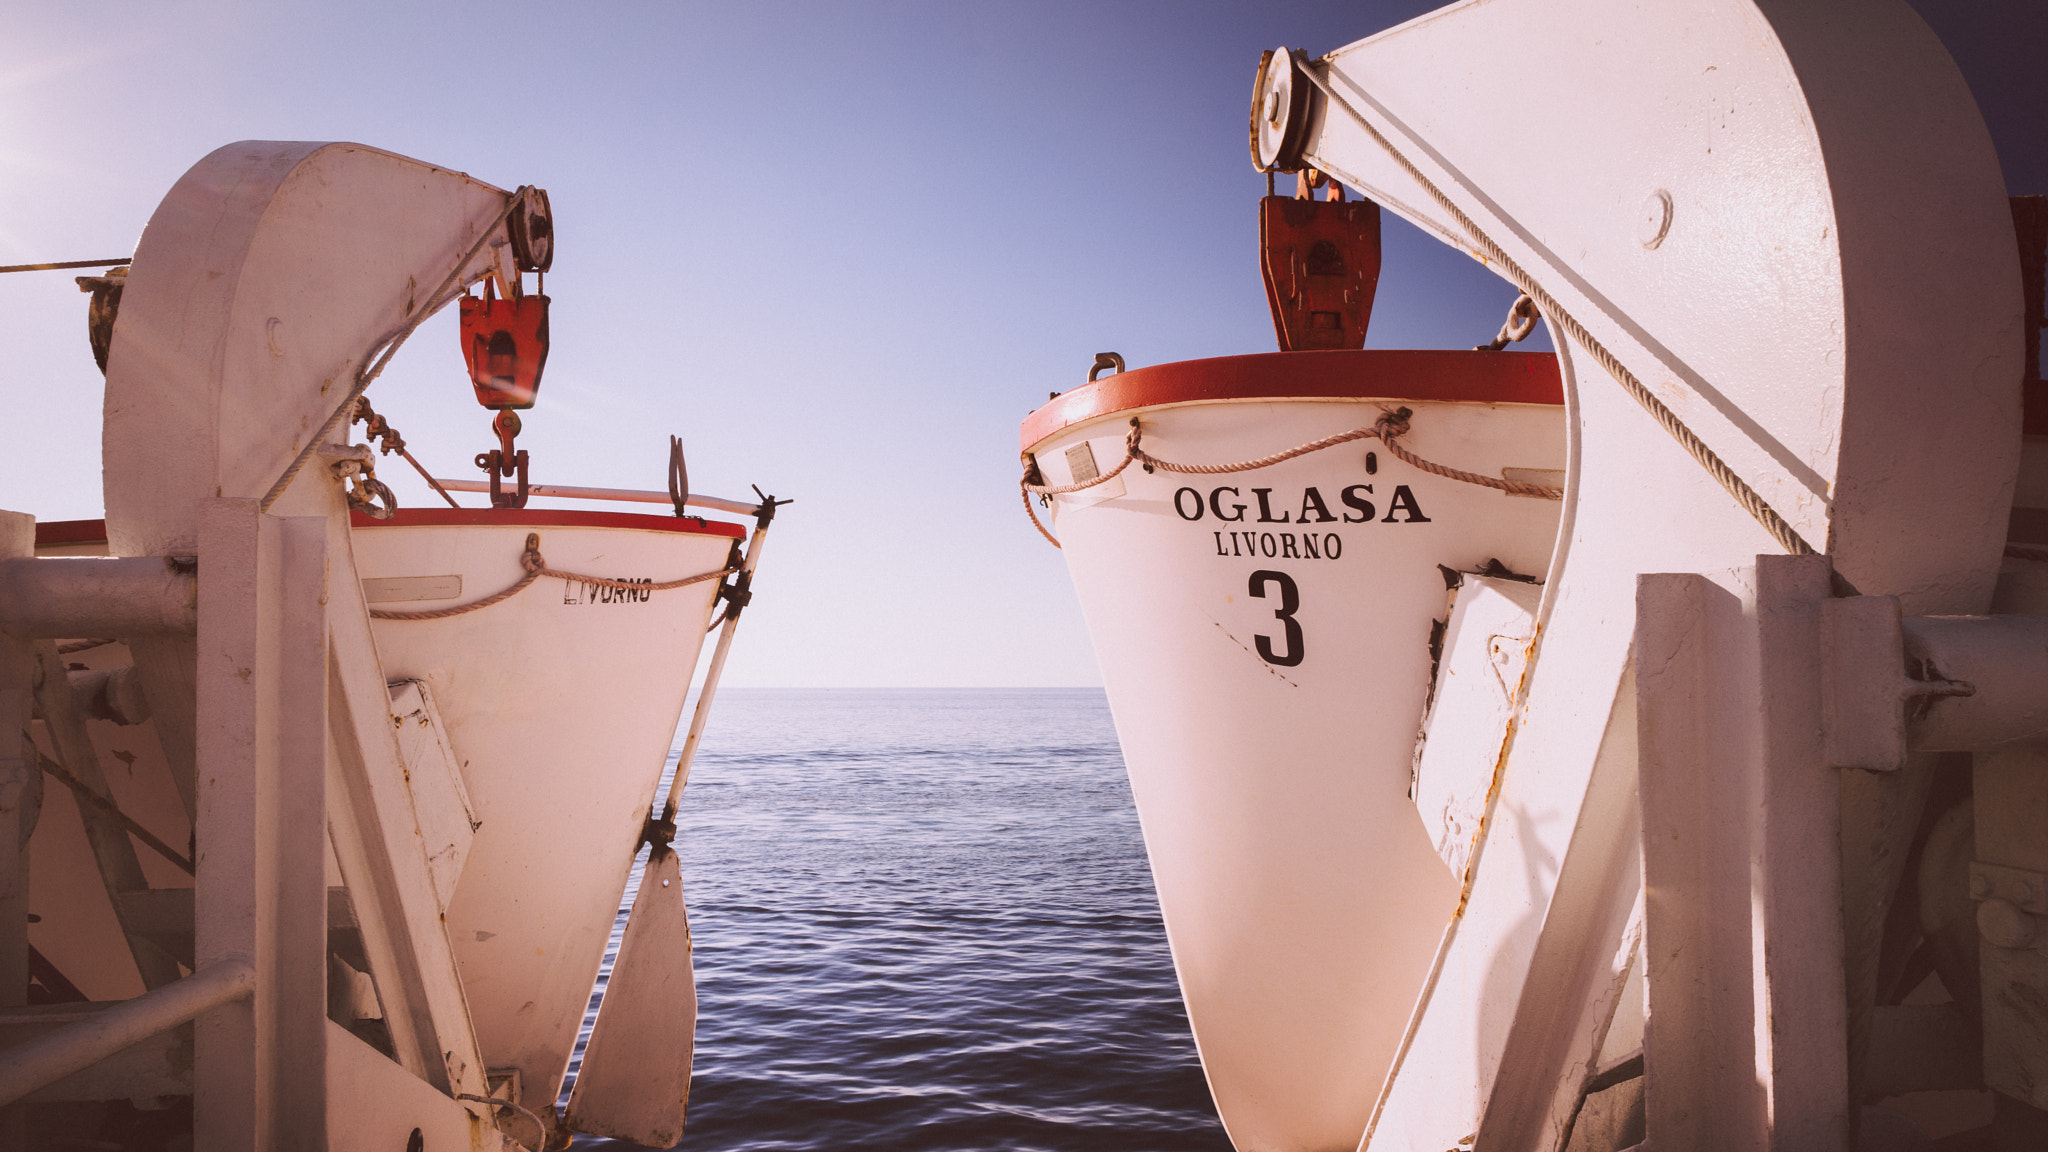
(922, 920)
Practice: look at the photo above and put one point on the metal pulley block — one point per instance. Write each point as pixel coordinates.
(1321, 263)
(505, 342)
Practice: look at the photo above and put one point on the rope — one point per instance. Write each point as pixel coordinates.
(532, 574)
(1130, 454)
(1263, 461)
(78, 787)
(497, 1103)
(536, 567)
(435, 301)
(1031, 469)
(1511, 487)
(1036, 523)
(1781, 531)
(1388, 430)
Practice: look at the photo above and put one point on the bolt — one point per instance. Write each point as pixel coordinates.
(1273, 107)
(1980, 886)
(2022, 891)
(2004, 925)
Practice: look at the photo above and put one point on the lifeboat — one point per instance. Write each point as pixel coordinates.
(354, 789)
(1262, 546)
(561, 704)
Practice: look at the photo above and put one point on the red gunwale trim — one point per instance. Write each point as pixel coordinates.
(548, 518)
(1492, 377)
(50, 533)
(55, 532)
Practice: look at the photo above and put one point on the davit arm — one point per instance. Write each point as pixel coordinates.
(1771, 235)
(263, 289)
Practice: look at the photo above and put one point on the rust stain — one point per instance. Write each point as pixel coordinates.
(1254, 655)
(1500, 770)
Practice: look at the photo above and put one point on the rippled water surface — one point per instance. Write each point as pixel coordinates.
(923, 921)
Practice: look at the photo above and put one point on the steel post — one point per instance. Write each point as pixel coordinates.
(70, 597)
(260, 1072)
(1747, 1043)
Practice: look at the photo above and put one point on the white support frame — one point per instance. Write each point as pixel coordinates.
(1746, 1045)
(292, 712)
(260, 1063)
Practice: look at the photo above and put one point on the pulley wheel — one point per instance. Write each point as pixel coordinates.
(532, 226)
(1281, 104)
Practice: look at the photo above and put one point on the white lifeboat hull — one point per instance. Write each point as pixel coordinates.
(560, 705)
(1264, 638)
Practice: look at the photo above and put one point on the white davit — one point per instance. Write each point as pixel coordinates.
(352, 790)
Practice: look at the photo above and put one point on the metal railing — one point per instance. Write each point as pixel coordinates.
(47, 1059)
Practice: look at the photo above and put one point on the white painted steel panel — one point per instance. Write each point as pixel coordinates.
(634, 1082)
(1492, 626)
(440, 803)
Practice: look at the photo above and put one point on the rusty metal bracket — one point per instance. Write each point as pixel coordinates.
(496, 463)
(503, 461)
(660, 832)
(764, 512)
(678, 475)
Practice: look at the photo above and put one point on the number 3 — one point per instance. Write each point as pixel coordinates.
(1290, 599)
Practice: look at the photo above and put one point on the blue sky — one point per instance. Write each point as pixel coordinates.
(841, 249)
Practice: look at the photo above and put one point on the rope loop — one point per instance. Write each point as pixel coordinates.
(1521, 321)
(1387, 428)
(535, 566)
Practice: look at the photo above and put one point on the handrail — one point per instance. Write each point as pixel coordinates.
(49, 1058)
(69, 597)
(628, 495)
